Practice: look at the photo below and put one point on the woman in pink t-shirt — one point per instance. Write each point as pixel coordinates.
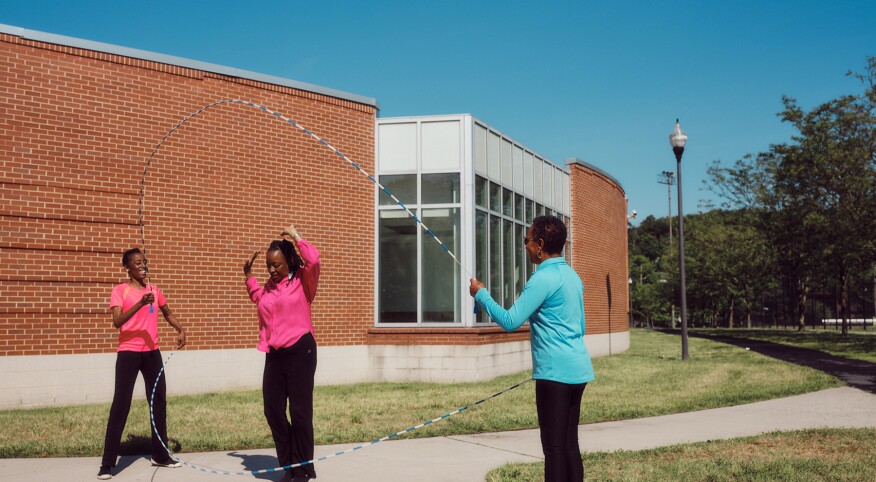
(134, 314)
(286, 336)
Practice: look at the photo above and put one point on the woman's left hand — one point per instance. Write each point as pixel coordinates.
(181, 339)
(292, 233)
(475, 287)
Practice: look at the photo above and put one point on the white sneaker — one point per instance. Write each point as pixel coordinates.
(105, 473)
(169, 463)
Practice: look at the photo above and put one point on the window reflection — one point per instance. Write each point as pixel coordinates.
(441, 278)
(397, 299)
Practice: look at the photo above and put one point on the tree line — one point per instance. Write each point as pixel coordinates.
(793, 239)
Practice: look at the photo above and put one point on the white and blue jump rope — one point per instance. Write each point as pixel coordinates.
(388, 193)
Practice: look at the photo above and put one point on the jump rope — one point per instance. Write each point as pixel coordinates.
(149, 280)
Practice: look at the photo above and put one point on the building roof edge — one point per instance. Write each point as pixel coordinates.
(575, 160)
(51, 38)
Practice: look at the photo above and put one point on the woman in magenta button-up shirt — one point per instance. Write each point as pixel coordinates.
(286, 336)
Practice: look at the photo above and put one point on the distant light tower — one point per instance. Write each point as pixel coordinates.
(668, 178)
(678, 139)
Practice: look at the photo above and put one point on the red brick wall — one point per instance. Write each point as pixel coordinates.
(599, 249)
(76, 128)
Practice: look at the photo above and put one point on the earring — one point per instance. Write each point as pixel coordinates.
(538, 254)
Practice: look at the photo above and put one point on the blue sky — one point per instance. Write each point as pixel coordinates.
(601, 81)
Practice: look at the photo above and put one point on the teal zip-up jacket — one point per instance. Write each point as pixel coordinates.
(553, 302)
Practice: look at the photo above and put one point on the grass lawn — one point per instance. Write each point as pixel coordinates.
(650, 379)
(858, 344)
(826, 455)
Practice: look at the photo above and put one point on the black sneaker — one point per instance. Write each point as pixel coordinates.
(169, 463)
(105, 473)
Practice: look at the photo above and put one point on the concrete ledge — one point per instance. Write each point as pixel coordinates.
(54, 380)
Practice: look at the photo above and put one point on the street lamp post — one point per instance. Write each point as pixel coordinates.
(630, 218)
(677, 138)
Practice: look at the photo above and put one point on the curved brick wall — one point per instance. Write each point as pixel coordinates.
(599, 249)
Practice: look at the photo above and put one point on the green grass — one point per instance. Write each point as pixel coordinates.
(810, 455)
(649, 379)
(858, 344)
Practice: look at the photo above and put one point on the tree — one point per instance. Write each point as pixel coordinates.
(814, 198)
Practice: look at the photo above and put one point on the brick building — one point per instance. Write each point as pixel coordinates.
(79, 119)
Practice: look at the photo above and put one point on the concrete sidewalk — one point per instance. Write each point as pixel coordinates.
(469, 457)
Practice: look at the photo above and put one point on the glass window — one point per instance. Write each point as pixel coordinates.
(480, 149)
(536, 179)
(522, 260)
(558, 189)
(481, 262)
(509, 246)
(397, 300)
(518, 207)
(507, 170)
(548, 179)
(482, 192)
(440, 279)
(495, 198)
(493, 154)
(530, 210)
(440, 188)
(397, 147)
(496, 257)
(527, 174)
(439, 145)
(508, 203)
(517, 162)
(403, 187)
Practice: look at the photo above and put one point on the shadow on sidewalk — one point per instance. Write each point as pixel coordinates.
(258, 462)
(855, 373)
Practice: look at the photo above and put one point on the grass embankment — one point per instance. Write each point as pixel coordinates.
(810, 455)
(647, 380)
(858, 344)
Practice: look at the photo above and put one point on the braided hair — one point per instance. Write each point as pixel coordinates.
(288, 249)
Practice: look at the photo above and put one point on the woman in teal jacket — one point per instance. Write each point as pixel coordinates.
(553, 303)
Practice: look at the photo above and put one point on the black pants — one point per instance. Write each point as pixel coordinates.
(288, 381)
(128, 364)
(559, 405)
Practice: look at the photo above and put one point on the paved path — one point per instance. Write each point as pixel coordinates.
(463, 458)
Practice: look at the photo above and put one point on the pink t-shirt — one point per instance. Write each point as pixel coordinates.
(284, 308)
(140, 332)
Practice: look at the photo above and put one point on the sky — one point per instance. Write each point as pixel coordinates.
(600, 81)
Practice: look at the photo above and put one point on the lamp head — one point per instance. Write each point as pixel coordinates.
(678, 138)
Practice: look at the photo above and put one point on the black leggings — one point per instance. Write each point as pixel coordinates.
(288, 381)
(128, 364)
(559, 405)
